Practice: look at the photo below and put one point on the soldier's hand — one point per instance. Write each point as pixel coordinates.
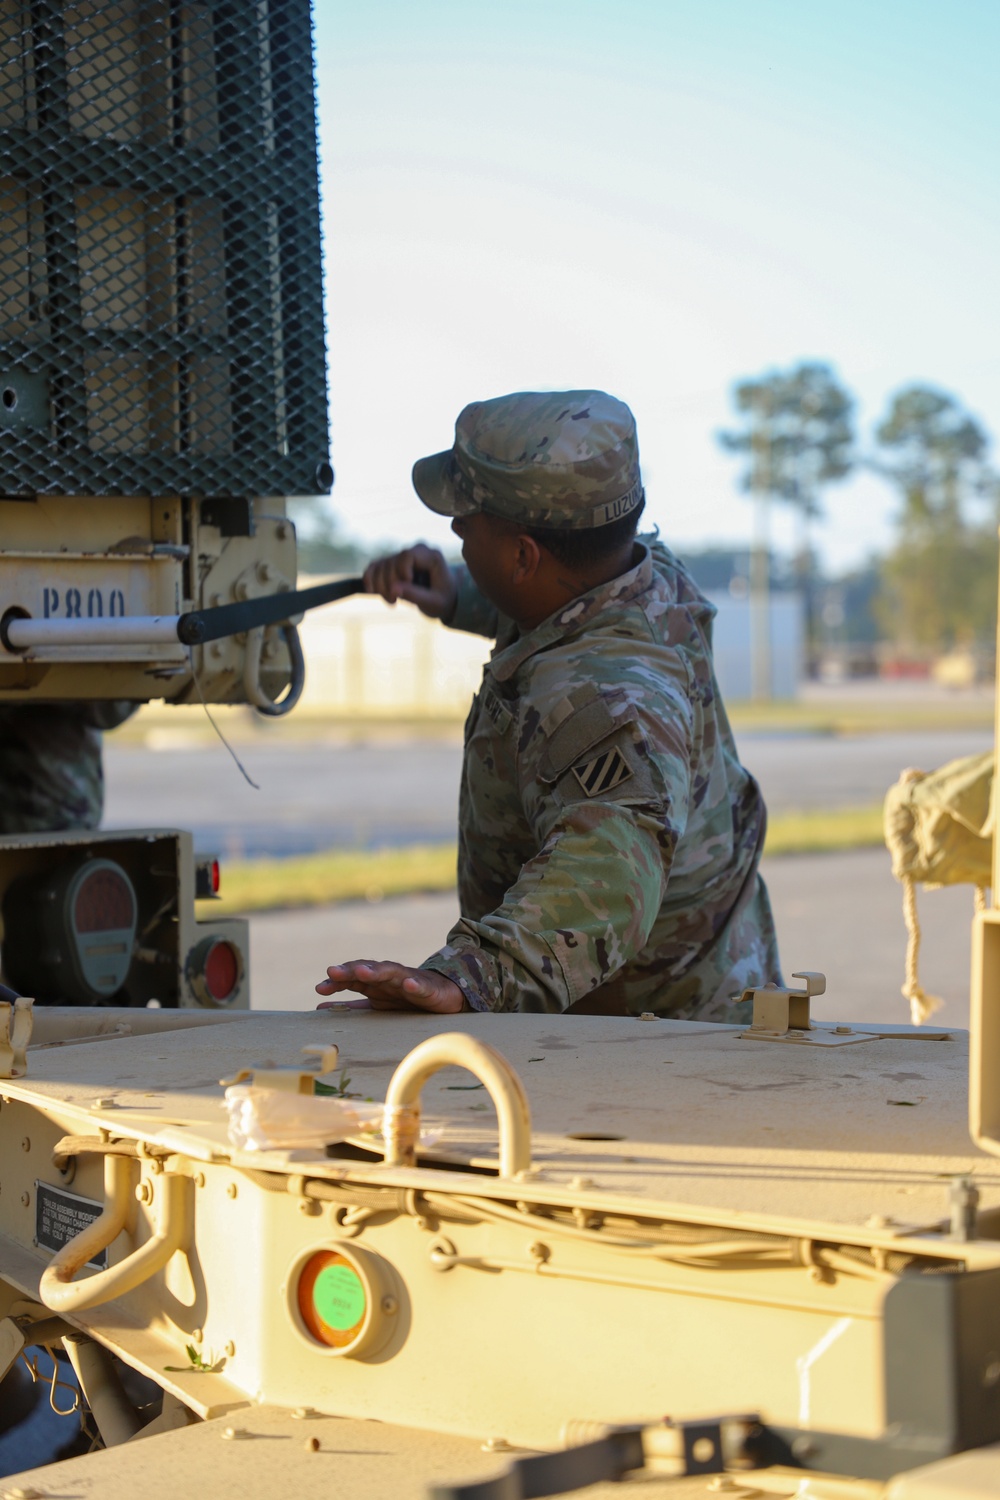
(394, 578)
(390, 986)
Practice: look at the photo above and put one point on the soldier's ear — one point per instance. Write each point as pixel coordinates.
(527, 558)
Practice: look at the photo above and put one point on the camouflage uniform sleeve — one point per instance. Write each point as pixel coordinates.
(51, 776)
(473, 612)
(108, 714)
(608, 796)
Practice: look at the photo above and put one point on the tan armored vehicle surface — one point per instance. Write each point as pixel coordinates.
(567, 1226)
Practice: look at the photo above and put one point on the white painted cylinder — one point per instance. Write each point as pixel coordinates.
(125, 630)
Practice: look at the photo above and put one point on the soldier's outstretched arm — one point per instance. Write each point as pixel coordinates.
(395, 577)
(443, 592)
(580, 909)
(391, 986)
(607, 795)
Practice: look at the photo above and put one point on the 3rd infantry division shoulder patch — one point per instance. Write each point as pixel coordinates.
(605, 771)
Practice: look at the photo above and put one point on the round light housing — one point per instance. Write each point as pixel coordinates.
(341, 1300)
(102, 910)
(70, 932)
(215, 970)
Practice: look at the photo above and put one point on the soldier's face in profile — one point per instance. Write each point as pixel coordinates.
(489, 550)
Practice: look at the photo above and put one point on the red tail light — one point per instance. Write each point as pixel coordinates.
(222, 971)
(215, 970)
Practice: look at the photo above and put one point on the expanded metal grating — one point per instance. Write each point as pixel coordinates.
(161, 328)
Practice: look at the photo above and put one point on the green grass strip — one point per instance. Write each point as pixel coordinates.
(333, 876)
(824, 830)
(360, 875)
(186, 726)
(856, 717)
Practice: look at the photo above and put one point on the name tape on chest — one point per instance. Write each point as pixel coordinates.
(497, 711)
(603, 772)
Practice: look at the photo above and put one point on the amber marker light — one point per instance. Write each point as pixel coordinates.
(332, 1299)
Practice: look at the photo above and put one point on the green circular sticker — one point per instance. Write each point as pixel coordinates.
(339, 1297)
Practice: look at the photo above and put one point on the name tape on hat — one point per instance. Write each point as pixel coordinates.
(613, 510)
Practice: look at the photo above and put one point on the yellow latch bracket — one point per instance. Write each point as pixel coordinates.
(16, 1021)
(294, 1078)
(781, 1014)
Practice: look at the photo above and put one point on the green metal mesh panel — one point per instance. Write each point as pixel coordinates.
(161, 324)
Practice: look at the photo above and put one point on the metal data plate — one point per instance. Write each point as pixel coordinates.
(82, 586)
(60, 1215)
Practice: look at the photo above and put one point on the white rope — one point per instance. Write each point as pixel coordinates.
(922, 1005)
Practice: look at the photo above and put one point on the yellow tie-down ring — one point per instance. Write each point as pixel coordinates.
(453, 1049)
(61, 1293)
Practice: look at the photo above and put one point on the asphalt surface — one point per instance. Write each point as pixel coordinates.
(321, 796)
(311, 795)
(839, 913)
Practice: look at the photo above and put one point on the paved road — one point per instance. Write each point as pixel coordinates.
(804, 771)
(312, 796)
(840, 913)
(320, 796)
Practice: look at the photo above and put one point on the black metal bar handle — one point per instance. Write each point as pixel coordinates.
(201, 625)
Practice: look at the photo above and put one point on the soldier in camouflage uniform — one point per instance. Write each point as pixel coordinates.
(609, 838)
(51, 778)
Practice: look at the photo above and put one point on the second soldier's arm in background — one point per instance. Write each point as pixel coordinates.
(51, 775)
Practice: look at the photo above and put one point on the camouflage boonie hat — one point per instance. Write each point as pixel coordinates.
(562, 459)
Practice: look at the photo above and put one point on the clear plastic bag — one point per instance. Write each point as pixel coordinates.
(278, 1120)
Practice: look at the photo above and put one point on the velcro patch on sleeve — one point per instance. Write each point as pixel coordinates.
(603, 772)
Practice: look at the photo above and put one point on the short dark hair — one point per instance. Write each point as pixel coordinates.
(583, 549)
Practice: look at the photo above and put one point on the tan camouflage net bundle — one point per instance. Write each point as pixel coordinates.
(939, 831)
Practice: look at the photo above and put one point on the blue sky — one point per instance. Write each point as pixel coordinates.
(658, 199)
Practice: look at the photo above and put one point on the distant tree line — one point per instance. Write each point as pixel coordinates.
(323, 546)
(936, 588)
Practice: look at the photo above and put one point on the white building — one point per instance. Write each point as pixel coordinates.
(365, 659)
(732, 645)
